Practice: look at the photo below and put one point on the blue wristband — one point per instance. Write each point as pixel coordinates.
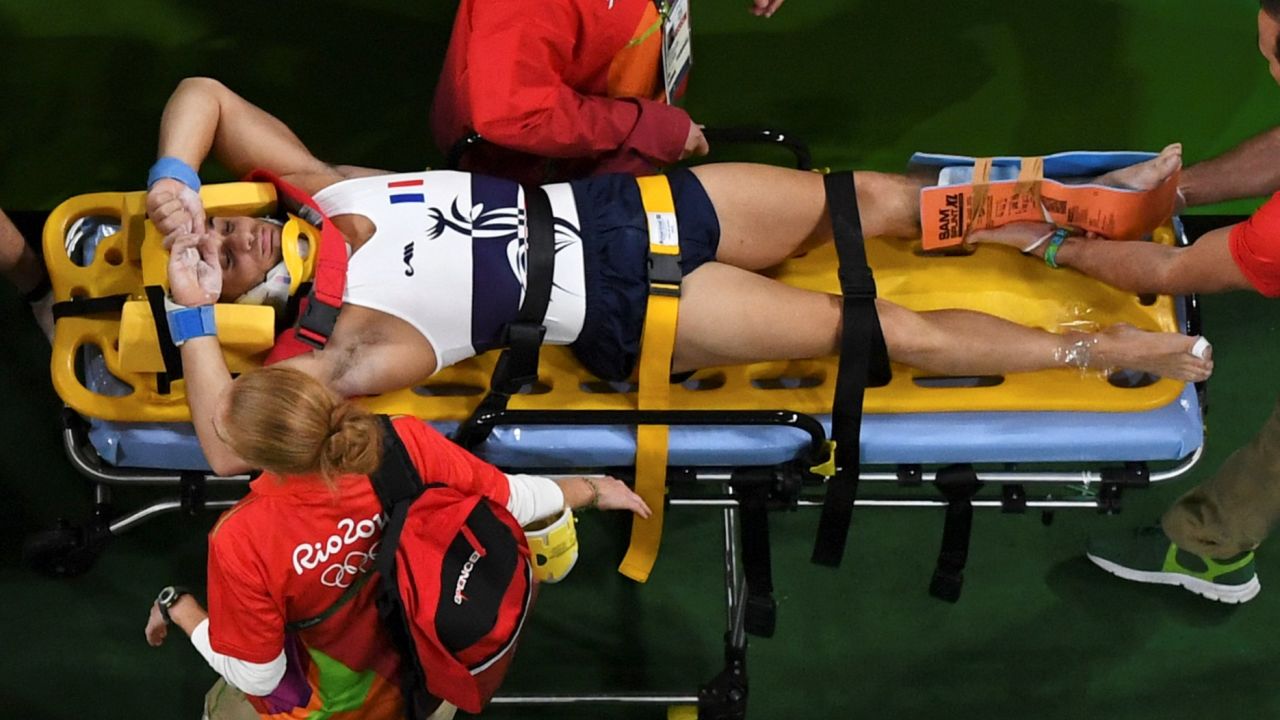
(191, 322)
(171, 167)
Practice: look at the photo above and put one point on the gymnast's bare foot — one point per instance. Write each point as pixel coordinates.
(1145, 175)
(1125, 347)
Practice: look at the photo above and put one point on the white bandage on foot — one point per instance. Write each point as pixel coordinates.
(1201, 348)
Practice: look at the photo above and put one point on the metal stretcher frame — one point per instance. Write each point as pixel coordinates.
(725, 694)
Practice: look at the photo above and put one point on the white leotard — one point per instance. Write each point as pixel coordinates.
(448, 256)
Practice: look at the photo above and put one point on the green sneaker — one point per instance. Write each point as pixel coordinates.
(1148, 556)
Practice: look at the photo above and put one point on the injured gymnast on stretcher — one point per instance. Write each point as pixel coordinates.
(436, 269)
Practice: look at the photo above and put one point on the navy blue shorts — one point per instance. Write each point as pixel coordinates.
(615, 248)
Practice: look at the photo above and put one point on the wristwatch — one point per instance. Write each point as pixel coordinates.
(167, 598)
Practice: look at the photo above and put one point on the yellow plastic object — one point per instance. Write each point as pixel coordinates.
(300, 264)
(682, 712)
(124, 264)
(657, 343)
(993, 279)
(554, 548)
(827, 468)
(246, 332)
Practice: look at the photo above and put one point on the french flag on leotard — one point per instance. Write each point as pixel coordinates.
(401, 191)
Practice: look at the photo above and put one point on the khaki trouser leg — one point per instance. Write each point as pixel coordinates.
(224, 702)
(1234, 510)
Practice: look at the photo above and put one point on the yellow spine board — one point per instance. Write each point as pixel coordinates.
(993, 279)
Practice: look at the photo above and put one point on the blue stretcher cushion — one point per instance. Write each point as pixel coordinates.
(1168, 433)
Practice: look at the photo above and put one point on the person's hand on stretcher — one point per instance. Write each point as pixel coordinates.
(195, 274)
(174, 207)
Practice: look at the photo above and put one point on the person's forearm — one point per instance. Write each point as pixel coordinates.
(571, 126)
(187, 614)
(1251, 169)
(253, 678)
(207, 378)
(18, 262)
(579, 492)
(204, 116)
(190, 121)
(1139, 267)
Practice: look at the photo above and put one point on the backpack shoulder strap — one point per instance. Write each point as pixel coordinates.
(396, 479)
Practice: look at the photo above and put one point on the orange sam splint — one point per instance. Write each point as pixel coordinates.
(991, 198)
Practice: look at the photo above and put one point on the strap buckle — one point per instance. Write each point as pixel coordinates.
(518, 364)
(665, 274)
(315, 325)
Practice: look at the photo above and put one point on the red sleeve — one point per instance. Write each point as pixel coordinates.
(516, 64)
(439, 460)
(1255, 247)
(245, 621)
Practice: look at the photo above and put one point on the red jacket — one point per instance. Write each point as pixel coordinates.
(570, 80)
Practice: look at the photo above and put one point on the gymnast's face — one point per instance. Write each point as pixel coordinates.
(247, 248)
(1268, 34)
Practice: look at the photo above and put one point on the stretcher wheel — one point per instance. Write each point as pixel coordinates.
(63, 551)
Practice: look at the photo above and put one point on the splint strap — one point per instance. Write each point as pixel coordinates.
(656, 346)
(864, 362)
(958, 484)
(517, 366)
(320, 312)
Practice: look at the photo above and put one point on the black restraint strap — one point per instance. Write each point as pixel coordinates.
(79, 307)
(518, 364)
(396, 479)
(958, 484)
(168, 351)
(760, 612)
(864, 362)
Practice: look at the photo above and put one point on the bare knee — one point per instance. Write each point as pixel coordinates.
(889, 204)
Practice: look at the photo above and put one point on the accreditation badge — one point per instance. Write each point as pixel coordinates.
(677, 53)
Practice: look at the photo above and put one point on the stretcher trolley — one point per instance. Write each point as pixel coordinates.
(742, 440)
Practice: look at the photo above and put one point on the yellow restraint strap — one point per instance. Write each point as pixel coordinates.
(656, 344)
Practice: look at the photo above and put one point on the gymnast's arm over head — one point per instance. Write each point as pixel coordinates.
(204, 117)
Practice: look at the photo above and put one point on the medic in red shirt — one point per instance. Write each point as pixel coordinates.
(563, 89)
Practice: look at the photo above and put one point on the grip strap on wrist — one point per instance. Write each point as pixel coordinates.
(172, 167)
(191, 322)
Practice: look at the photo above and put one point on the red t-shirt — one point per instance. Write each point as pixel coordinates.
(574, 80)
(1255, 246)
(289, 550)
